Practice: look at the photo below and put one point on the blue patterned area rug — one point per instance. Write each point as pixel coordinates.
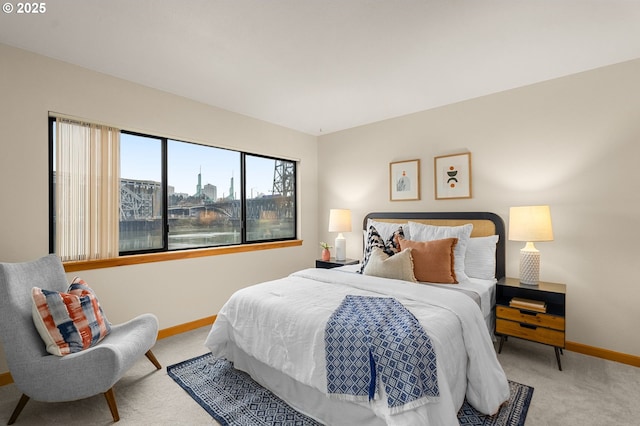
(235, 399)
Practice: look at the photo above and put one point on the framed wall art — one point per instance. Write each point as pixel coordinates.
(404, 180)
(453, 176)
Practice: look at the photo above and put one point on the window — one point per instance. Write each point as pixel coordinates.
(270, 203)
(141, 193)
(204, 198)
(169, 195)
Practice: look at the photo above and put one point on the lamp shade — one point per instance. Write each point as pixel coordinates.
(339, 220)
(530, 223)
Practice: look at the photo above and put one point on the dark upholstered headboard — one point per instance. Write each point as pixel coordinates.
(484, 224)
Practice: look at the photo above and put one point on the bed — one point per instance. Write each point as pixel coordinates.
(280, 332)
(488, 265)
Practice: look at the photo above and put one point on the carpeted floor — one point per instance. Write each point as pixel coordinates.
(233, 398)
(588, 392)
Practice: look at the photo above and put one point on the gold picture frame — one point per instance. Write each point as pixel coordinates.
(452, 176)
(404, 180)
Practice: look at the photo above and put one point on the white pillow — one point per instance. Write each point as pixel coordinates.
(422, 232)
(386, 229)
(399, 266)
(480, 259)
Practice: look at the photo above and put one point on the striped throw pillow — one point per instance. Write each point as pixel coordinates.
(69, 322)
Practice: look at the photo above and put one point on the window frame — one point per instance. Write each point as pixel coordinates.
(52, 185)
(164, 253)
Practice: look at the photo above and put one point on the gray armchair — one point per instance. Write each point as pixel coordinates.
(46, 377)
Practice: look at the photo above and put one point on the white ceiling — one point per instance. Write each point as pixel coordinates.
(320, 66)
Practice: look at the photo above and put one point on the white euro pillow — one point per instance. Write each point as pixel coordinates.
(386, 229)
(480, 259)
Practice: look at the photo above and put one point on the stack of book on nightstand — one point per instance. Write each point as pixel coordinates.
(531, 305)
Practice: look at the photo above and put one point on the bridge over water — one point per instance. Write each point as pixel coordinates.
(270, 207)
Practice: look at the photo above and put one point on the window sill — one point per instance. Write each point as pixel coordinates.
(174, 255)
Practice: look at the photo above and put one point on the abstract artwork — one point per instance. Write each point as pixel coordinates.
(453, 176)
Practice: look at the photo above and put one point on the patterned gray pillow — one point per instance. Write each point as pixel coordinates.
(390, 247)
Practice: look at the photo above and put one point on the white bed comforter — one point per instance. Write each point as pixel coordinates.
(281, 323)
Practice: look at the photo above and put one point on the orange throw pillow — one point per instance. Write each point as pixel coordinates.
(433, 261)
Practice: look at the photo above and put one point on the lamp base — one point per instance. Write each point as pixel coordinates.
(341, 247)
(529, 265)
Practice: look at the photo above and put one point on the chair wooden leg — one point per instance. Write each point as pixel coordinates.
(153, 359)
(16, 412)
(111, 400)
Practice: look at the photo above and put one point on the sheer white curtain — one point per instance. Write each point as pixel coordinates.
(87, 190)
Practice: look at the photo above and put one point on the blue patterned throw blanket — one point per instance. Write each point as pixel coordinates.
(371, 339)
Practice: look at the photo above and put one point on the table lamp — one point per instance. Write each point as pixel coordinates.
(340, 221)
(530, 224)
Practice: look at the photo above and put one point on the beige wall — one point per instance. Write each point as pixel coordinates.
(572, 143)
(176, 291)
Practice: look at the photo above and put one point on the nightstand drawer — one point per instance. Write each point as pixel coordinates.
(529, 317)
(530, 332)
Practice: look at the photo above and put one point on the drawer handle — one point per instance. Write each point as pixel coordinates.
(532, 314)
(529, 326)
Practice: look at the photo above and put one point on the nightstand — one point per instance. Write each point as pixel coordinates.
(535, 313)
(333, 263)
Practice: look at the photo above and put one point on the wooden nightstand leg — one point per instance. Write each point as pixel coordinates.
(558, 357)
(502, 339)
